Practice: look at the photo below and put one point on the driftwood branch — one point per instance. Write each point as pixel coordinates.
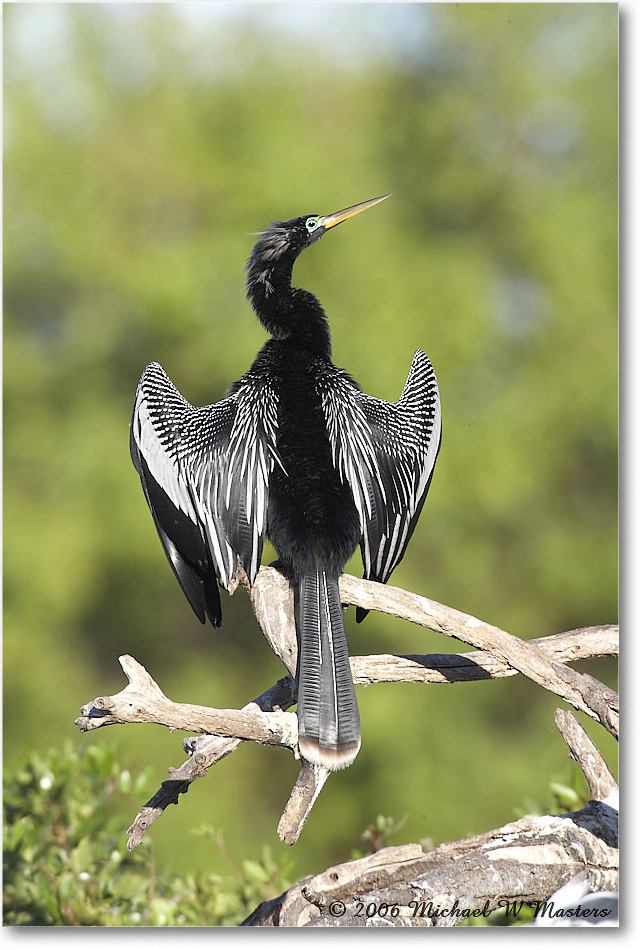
(579, 689)
(522, 863)
(501, 653)
(144, 701)
(204, 751)
(265, 719)
(583, 643)
(602, 785)
(306, 790)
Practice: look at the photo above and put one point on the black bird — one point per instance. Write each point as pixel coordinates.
(298, 453)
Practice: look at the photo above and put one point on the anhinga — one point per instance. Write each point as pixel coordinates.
(298, 453)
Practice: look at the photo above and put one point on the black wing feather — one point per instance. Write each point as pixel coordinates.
(386, 453)
(184, 546)
(205, 475)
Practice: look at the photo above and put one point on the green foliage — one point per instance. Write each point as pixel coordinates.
(142, 148)
(66, 864)
(569, 796)
(380, 832)
(518, 916)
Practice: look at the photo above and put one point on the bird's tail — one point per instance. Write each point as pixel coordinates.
(329, 728)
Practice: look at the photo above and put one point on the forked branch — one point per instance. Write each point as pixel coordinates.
(265, 719)
(523, 862)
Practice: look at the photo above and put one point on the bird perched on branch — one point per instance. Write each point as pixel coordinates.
(297, 453)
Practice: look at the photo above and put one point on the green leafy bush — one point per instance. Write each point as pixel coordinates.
(66, 863)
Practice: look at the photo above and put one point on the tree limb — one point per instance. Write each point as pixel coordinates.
(583, 643)
(524, 861)
(306, 790)
(265, 720)
(580, 690)
(204, 752)
(144, 701)
(272, 600)
(600, 780)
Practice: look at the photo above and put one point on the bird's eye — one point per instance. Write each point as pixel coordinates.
(312, 224)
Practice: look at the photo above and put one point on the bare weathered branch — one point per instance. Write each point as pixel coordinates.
(264, 720)
(204, 752)
(600, 780)
(526, 860)
(579, 689)
(144, 701)
(272, 600)
(306, 790)
(584, 643)
(502, 653)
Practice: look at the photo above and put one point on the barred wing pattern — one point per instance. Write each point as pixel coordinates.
(205, 474)
(386, 453)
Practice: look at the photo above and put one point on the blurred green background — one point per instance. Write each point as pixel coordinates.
(143, 146)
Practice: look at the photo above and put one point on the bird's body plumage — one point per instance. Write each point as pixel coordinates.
(298, 453)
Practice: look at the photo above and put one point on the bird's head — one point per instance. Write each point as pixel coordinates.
(283, 310)
(284, 240)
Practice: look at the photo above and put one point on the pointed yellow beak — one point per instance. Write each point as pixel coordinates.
(331, 220)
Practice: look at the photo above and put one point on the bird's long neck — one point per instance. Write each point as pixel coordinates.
(286, 312)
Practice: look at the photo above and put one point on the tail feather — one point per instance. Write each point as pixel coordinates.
(329, 728)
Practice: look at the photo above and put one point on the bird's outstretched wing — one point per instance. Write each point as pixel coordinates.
(205, 475)
(386, 453)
